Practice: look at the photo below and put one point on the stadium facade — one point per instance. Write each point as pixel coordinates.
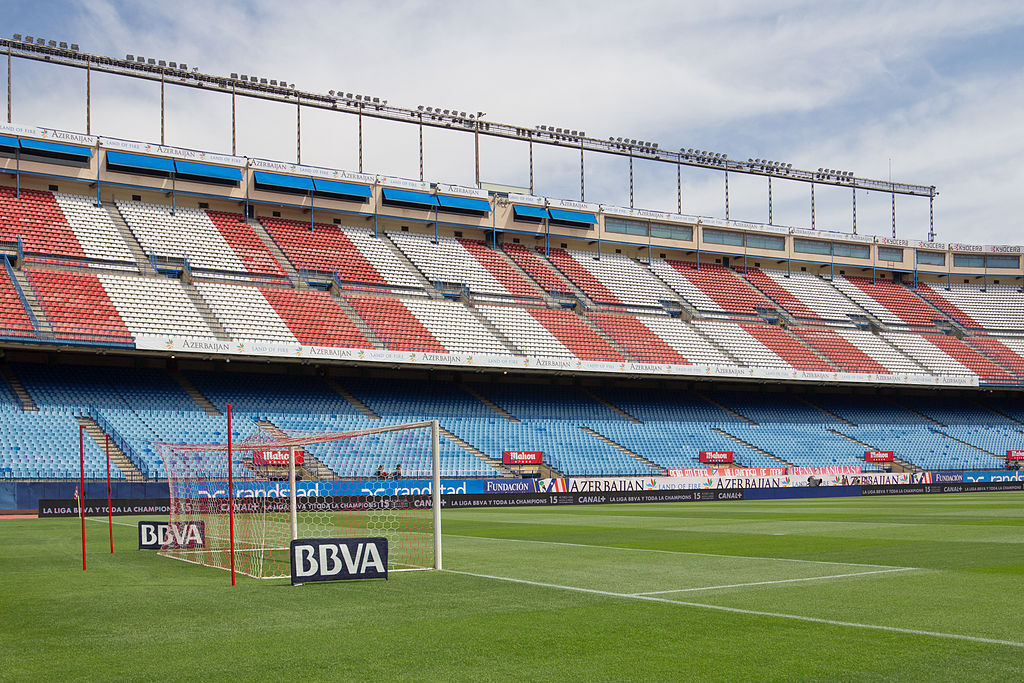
(145, 287)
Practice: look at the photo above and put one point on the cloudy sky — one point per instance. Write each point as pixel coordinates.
(931, 92)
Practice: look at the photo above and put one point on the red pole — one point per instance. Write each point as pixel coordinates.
(231, 501)
(110, 514)
(81, 488)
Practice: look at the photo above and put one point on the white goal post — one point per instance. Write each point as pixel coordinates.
(250, 498)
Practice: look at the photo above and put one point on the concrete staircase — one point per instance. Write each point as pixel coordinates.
(493, 329)
(117, 456)
(360, 324)
(44, 329)
(28, 404)
(424, 282)
(312, 468)
(196, 395)
(751, 446)
(351, 398)
(145, 267)
(489, 403)
(493, 462)
(835, 417)
(548, 299)
(275, 251)
(614, 408)
(619, 447)
(205, 311)
(727, 409)
(596, 329)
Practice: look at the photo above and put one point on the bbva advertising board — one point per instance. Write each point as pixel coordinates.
(338, 559)
(154, 535)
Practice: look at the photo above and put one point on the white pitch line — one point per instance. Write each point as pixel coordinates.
(765, 583)
(737, 610)
(681, 552)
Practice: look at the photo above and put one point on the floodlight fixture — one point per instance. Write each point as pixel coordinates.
(74, 46)
(17, 36)
(63, 45)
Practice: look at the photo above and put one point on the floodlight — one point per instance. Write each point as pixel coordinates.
(161, 63)
(63, 45)
(130, 58)
(17, 36)
(74, 46)
(53, 43)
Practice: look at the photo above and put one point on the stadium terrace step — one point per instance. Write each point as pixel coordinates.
(750, 445)
(548, 299)
(611, 341)
(44, 329)
(977, 448)
(636, 456)
(493, 462)
(209, 317)
(489, 403)
(28, 404)
(275, 251)
(837, 418)
(117, 456)
(920, 414)
(195, 394)
(613, 407)
(351, 398)
(312, 467)
(141, 260)
(898, 465)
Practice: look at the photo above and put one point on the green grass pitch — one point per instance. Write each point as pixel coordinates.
(909, 588)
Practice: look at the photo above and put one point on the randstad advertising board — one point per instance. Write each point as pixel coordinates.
(999, 475)
(363, 487)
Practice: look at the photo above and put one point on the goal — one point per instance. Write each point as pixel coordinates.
(246, 501)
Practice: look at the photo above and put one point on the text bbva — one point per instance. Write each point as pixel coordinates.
(331, 559)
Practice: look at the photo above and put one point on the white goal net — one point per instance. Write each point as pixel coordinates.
(248, 500)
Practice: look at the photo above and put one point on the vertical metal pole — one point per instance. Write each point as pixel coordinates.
(110, 514)
(17, 173)
(531, 162)
(770, 217)
(291, 493)
(234, 139)
(298, 132)
(679, 188)
(231, 500)
(631, 179)
(476, 150)
(435, 489)
(893, 215)
(931, 218)
(81, 486)
(854, 210)
(360, 138)
(421, 146)
(812, 205)
(88, 96)
(583, 187)
(162, 116)
(727, 194)
(8, 82)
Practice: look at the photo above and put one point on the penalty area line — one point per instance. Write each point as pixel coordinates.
(767, 583)
(678, 552)
(749, 612)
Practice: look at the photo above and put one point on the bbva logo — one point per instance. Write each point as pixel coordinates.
(156, 535)
(333, 559)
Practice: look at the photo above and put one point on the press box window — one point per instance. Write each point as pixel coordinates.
(931, 258)
(890, 254)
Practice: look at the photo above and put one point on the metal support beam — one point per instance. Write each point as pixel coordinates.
(421, 146)
(583, 187)
(88, 98)
(894, 215)
(855, 211)
(8, 82)
(931, 219)
(726, 194)
(162, 109)
(812, 206)
(531, 162)
(298, 132)
(771, 219)
(679, 188)
(234, 127)
(360, 138)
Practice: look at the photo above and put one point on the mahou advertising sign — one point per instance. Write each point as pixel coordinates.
(716, 457)
(1015, 455)
(522, 457)
(276, 457)
(878, 456)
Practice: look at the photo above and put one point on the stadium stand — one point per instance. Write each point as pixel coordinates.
(184, 234)
(13, 316)
(77, 306)
(395, 324)
(535, 266)
(314, 318)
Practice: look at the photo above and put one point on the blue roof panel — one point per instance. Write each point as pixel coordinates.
(409, 197)
(464, 203)
(573, 216)
(280, 181)
(139, 162)
(8, 142)
(56, 148)
(529, 211)
(208, 171)
(334, 187)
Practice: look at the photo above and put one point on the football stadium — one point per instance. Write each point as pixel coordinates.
(261, 418)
